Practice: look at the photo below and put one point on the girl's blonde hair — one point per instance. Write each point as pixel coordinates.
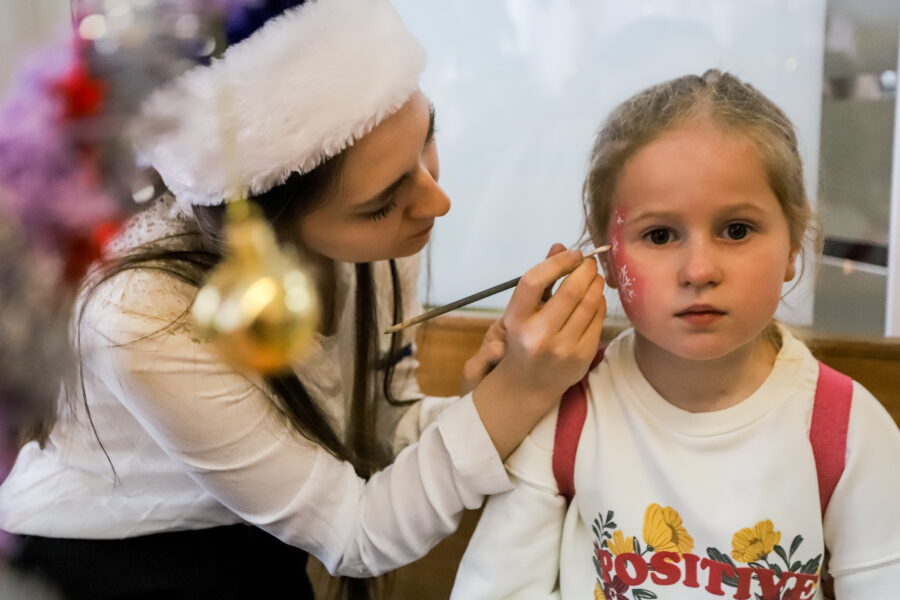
(726, 101)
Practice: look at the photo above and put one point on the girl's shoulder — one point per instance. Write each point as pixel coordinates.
(868, 416)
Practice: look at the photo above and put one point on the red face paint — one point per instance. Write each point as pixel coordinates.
(629, 283)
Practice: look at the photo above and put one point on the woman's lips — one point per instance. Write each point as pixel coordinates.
(425, 231)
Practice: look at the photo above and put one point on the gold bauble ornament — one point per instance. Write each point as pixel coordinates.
(259, 307)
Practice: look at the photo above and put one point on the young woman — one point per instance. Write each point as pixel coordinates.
(167, 473)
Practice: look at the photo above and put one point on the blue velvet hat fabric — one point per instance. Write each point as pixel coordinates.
(246, 20)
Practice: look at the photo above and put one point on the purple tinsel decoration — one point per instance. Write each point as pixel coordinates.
(48, 189)
(52, 192)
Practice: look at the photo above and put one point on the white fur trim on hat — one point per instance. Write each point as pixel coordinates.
(300, 90)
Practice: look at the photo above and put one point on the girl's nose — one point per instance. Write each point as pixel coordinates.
(699, 267)
(430, 200)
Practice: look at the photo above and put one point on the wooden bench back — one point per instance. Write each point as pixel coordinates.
(447, 342)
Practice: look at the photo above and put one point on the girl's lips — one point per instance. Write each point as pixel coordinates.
(701, 318)
(700, 308)
(700, 314)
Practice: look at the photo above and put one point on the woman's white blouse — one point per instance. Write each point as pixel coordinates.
(191, 443)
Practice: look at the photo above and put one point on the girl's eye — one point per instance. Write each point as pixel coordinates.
(659, 236)
(737, 231)
(382, 212)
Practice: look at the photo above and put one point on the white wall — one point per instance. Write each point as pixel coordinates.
(520, 87)
(892, 313)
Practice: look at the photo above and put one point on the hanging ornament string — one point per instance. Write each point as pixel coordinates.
(259, 307)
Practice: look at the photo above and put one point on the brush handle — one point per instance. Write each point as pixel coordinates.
(436, 312)
(500, 287)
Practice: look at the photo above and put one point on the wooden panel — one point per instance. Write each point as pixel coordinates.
(447, 342)
(875, 363)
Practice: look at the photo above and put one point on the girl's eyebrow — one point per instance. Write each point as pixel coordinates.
(652, 215)
(663, 214)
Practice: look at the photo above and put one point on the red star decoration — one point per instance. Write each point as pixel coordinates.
(81, 94)
(83, 249)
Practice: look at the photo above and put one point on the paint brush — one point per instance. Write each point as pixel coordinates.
(502, 287)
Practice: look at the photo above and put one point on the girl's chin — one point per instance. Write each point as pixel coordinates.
(694, 350)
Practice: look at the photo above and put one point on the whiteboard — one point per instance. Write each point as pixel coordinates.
(521, 86)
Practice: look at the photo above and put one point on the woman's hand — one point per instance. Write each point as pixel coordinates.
(548, 346)
(493, 346)
(491, 351)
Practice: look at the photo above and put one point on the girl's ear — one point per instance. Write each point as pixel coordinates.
(609, 272)
(791, 270)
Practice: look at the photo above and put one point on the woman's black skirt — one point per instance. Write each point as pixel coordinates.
(221, 563)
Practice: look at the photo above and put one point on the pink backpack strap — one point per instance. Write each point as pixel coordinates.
(569, 423)
(827, 432)
(828, 429)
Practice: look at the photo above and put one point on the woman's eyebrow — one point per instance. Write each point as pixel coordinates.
(379, 199)
(430, 135)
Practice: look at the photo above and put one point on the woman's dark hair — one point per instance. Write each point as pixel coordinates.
(189, 257)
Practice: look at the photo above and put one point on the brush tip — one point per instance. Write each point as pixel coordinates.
(599, 250)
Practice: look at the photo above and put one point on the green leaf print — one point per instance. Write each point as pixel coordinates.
(642, 594)
(795, 544)
(811, 566)
(782, 554)
(718, 556)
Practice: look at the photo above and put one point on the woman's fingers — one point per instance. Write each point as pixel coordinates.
(590, 338)
(554, 249)
(526, 298)
(483, 362)
(568, 296)
(584, 312)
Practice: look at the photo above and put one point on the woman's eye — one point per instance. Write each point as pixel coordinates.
(737, 231)
(659, 236)
(382, 212)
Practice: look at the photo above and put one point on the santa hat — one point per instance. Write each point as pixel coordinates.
(299, 90)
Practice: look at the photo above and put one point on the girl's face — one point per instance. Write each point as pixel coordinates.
(701, 245)
(387, 197)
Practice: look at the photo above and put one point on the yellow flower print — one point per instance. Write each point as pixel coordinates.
(619, 543)
(750, 544)
(664, 532)
(598, 592)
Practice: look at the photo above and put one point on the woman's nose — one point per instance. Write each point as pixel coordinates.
(430, 200)
(699, 267)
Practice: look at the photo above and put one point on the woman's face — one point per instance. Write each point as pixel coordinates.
(387, 197)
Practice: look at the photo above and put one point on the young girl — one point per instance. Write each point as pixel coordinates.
(695, 475)
(169, 474)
